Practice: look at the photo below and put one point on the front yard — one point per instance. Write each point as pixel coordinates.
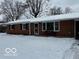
(34, 47)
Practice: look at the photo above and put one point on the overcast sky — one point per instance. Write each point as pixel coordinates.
(74, 4)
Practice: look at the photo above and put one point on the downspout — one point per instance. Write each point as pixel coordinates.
(74, 29)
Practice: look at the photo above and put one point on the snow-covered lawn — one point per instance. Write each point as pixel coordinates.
(35, 47)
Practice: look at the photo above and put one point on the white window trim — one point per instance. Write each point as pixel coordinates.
(45, 26)
(53, 26)
(23, 27)
(58, 26)
(11, 27)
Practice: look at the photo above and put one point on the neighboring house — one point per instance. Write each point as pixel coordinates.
(2, 27)
(64, 25)
(2, 23)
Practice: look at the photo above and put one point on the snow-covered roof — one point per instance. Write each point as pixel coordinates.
(69, 16)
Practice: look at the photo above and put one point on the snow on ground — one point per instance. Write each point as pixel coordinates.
(35, 47)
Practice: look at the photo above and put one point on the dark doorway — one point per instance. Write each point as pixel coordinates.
(36, 28)
(77, 30)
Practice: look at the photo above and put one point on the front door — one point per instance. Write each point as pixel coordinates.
(77, 29)
(36, 28)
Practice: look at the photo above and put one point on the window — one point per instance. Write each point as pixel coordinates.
(23, 26)
(20, 26)
(9, 27)
(12, 27)
(44, 28)
(27, 26)
(56, 26)
(50, 26)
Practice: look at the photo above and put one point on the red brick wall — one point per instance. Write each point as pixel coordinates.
(17, 30)
(66, 30)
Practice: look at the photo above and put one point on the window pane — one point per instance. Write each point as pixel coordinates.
(44, 26)
(20, 26)
(50, 26)
(9, 27)
(36, 25)
(23, 26)
(56, 25)
(27, 26)
(12, 26)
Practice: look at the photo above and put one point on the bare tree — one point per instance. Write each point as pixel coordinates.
(68, 10)
(19, 9)
(35, 7)
(55, 10)
(7, 7)
(12, 10)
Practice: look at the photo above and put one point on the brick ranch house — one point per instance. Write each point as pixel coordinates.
(64, 25)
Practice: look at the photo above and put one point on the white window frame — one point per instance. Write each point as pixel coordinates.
(23, 27)
(45, 26)
(58, 26)
(53, 26)
(11, 27)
